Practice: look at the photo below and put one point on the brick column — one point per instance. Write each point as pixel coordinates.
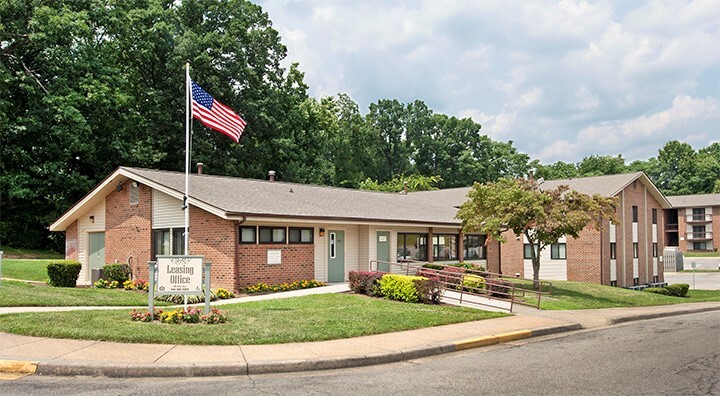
(461, 247)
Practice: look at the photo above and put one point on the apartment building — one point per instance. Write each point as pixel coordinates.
(693, 222)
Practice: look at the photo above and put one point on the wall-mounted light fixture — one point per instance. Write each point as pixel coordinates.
(322, 232)
(119, 186)
(92, 219)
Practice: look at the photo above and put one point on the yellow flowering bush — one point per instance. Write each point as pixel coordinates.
(301, 284)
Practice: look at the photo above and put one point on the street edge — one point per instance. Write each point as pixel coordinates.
(18, 366)
(631, 318)
(57, 368)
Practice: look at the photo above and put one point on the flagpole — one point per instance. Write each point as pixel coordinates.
(188, 115)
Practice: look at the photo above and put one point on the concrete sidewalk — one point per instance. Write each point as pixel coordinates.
(80, 357)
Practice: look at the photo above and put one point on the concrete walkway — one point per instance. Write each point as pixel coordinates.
(81, 357)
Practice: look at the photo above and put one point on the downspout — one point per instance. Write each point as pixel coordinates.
(602, 261)
(624, 247)
(237, 251)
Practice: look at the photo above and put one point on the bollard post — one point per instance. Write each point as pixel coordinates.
(206, 272)
(152, 267)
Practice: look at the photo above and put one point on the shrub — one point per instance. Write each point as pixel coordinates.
(174, 317)
(63, 273)
(129, 285)
(144, 316)
(192, 315)
(433, 266)
(116, 272)
(364, 282)
(224, 294)
(142, 284)
(428, 290)
(470, 266)
(104, 284)
(473, 283)
(400, 287)
(657, 290)
(677, 289)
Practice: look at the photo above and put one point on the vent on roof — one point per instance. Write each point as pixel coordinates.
(271, 175)
(134, 192)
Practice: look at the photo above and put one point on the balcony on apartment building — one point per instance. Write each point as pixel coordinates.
(699, 218)
(699, 236)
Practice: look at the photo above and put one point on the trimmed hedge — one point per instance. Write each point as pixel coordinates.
(400, 287)
(473, 283)
(677, 289)
(116, 272)
(657, 290)
(63, 273)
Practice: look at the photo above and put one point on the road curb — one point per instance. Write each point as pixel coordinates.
(631, 318)
(18, 366)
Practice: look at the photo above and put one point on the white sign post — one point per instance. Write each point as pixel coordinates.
(179, 275)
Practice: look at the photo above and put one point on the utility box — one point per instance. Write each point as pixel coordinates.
(96, 274)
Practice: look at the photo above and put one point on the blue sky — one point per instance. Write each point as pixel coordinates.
(562, 80)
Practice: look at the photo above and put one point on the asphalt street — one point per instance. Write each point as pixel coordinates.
(677, 355)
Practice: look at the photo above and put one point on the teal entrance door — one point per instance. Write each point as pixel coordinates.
(336, 256)
(96, 250)
(383, 250)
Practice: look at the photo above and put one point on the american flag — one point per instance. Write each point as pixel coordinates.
(216, 115)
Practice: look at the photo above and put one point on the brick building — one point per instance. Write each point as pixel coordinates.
(268, 231)
(693, 222)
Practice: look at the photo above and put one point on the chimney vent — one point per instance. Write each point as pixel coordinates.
(200, 166)
(405, 188)
(271, 175)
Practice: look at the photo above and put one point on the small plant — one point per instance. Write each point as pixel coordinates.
(116, 272)
(145, 316)
(677, 289)
(657, 290)
(429, 291)
(214, 317)
(473, 283)
(63, 273)
(173, 317)
(104, 284)
(223, 294)
(192, 315)
(301, 284)
(142, 284)
(180, 298)
(129, 285)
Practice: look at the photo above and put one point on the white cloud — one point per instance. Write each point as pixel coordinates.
(561, 79)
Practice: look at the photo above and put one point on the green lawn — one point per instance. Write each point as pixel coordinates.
(20, 294)
(300, 319)
(577, 295)
(34, 270)
(19, 253)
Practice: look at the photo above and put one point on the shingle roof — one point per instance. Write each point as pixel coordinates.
(684, 201)
(261, 197)
(607, 185)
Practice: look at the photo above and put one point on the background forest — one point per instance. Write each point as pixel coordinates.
(89, 85)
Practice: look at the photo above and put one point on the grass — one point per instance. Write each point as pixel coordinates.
(33, 270)
(19, 253)
(702, 254)
(578, 295)
(699, 270)
(300, 319)
(20, 294)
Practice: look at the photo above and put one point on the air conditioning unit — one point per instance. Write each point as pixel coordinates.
(96, 274)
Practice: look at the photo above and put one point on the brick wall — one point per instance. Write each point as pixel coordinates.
(298, 262)
(216, 240)
(715, 227)
(682, 230)
(512, 256)
(128, 232)
(583, 256)
(493, 255)
(71, 241)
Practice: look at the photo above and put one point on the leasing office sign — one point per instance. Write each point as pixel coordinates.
(179, 274)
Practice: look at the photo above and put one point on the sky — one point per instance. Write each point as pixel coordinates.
(562, 80)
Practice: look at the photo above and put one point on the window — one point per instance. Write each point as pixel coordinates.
(412, 246)
(168, 241)
(445, 247)
(272, 234)
(635, 214)
(654, 216)
(699, 246)
(474, 247)
(635, 250)
(333, 245)
(134, 193)
(300, 235)
(527, 253)
(636, 281)
(557, 251)
(613, 250)
(248, 235)
(655, 249)
(698, 211)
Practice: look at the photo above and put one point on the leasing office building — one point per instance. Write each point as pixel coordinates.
(265, 231)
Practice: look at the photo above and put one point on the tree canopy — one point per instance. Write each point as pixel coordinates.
(541, 216)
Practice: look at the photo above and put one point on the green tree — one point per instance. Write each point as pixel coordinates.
(598, 165)
(554, 171)
(412, 182)
(542, 216)
(676, 166)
